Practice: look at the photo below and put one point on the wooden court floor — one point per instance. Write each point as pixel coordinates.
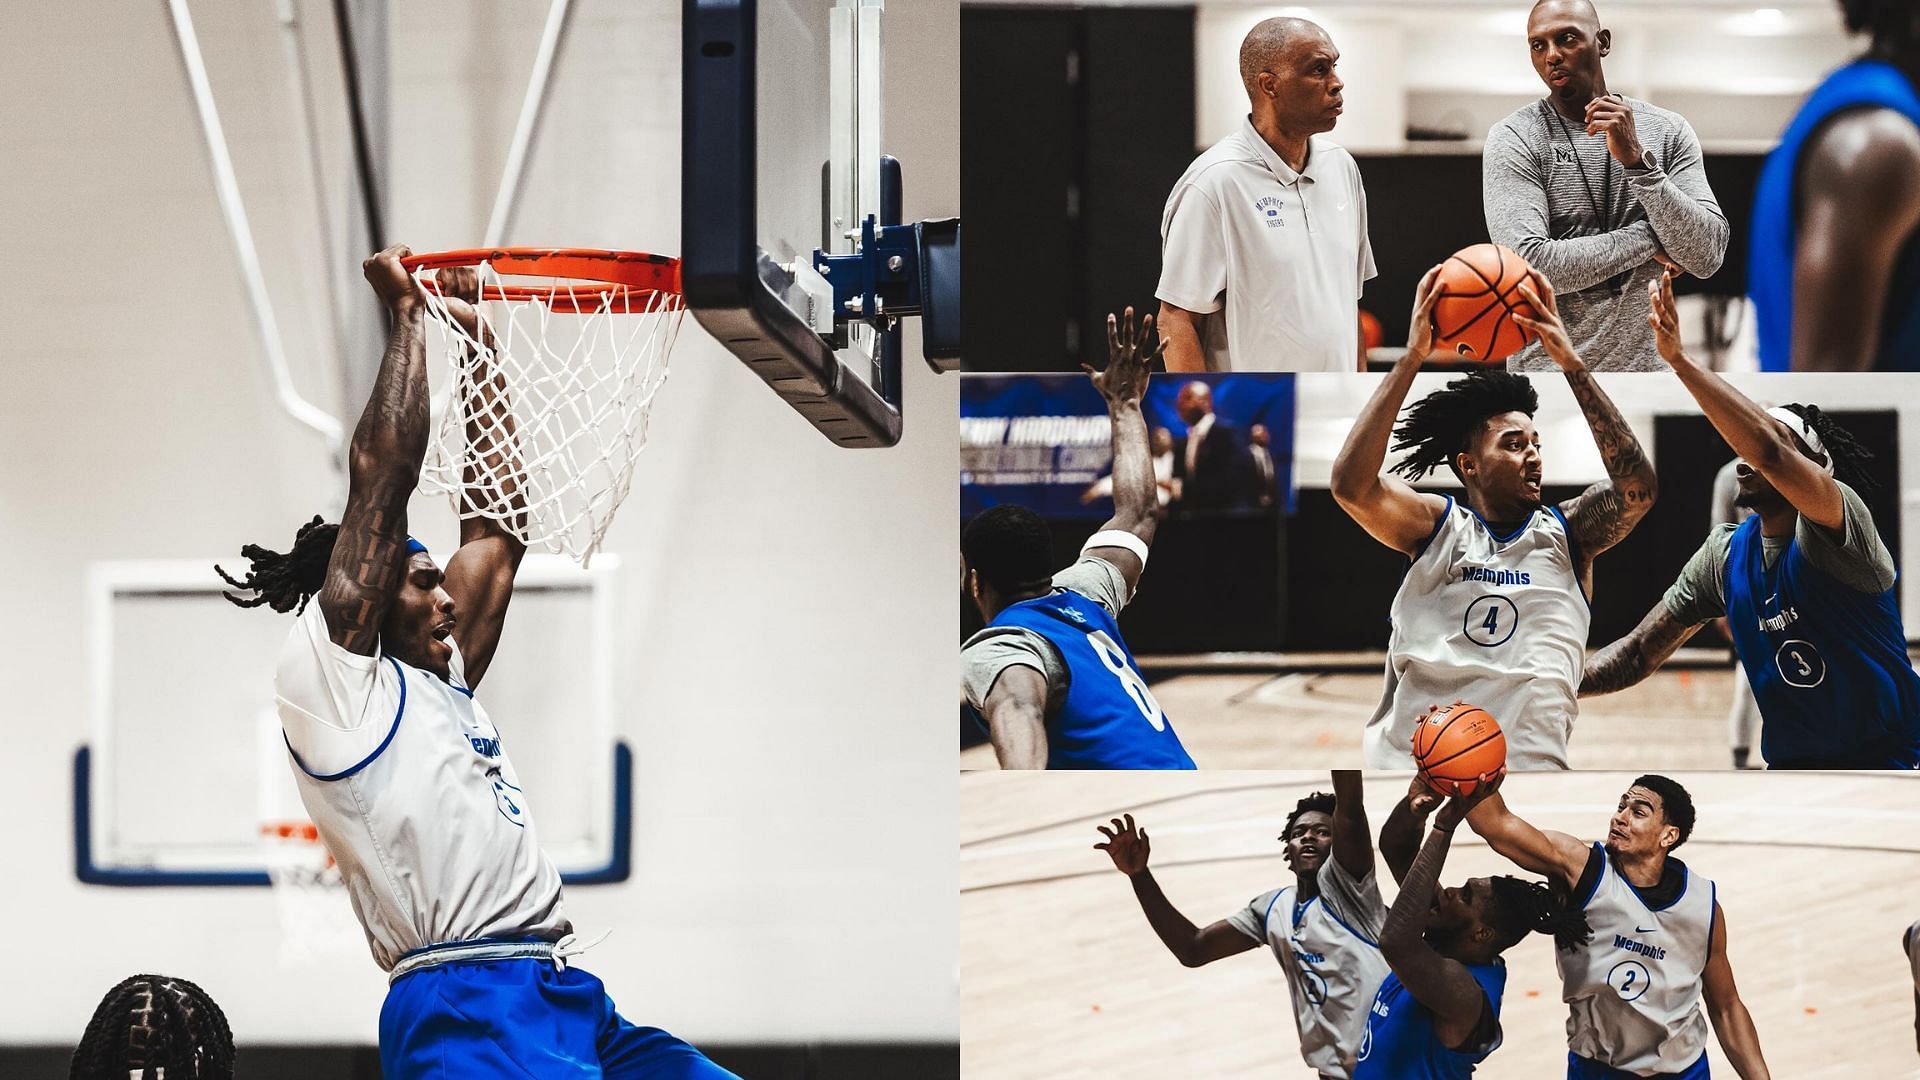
(1062, 978)
(1674, 720)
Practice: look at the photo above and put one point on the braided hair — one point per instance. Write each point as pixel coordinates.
(151, 1023)
(1443, 423)
(1319, 800)
(1522, 907)
(1893, 23)
(1850, 455)
(286, 582)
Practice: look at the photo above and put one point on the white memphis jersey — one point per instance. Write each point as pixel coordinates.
(1332, 975)
(1498, 622)
(1634, 991)
(406, 780)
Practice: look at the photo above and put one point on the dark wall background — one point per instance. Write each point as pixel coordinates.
(1074, 126)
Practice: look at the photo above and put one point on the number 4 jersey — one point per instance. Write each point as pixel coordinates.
(1495, 621)
(1100, 712)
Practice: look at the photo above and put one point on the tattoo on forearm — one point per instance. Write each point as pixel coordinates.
(1606, 512)
(1408, 914)
(366, 565)
(1634, 657)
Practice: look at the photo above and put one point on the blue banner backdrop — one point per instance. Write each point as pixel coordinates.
(1044, 442)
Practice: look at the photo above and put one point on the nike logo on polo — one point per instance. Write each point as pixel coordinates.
(1646, 929)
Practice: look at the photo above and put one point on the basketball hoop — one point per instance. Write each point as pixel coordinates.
(317, 921)
(546, 404)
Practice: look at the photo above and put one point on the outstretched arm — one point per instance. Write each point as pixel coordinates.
(479, 576)
(1541, 851)
(1400, 836)
(383, 465)
(1442, 984)
(1016, 716)
(1189, 944)
(1732, 1024)
(1387, 507)
(1761, 441)
(1845, 258)
(1624, 662)
(1135, 489)
(1352, 843)
(1605, 513)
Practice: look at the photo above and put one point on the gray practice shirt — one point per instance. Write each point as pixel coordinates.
(1857, 558)
(1556, 196)
(997, 648)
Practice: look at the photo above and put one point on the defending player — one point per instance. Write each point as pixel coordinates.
(1438, 1014)
(1493, 609)
(405, 775)
(1322, 928)
(1659, 943)
(1806, 585)
(1050, 675)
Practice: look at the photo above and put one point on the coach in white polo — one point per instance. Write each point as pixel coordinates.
(1263, 246)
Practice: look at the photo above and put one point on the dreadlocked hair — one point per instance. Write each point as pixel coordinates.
(285, 582)
(152, 1023)
(1850, 455)
(1524, 907)
(1441, 424)
(1892, 23)
(1319, 800)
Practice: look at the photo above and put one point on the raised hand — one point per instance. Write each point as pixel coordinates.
(1126, 845)
(1545, 322)
(391, 281)
(1613, 117)
(1421, 798)
(1665, 320)
(460, 288)
(1420, 326)
(1125, 377)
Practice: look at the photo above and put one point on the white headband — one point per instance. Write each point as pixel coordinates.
(1805, 431)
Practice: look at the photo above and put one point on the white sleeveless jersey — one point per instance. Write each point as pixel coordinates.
(405, 778)
(1498, 622)
(1332, 974)
(1634, 990)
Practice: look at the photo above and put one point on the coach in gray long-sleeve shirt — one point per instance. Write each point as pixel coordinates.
(1597, 191)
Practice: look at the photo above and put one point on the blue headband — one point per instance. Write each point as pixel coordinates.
(415, 547)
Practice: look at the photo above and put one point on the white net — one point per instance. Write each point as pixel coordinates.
(546, 405)
(317, 922)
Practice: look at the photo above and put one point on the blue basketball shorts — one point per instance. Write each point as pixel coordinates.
(1579, 1068)
(522, 1018)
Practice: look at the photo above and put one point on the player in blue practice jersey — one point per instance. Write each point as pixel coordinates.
(1834, 269)
(1049, 675)
(1806, 584)
(1323, 928)
(1438, 1014)
(404, 774)
(1635, 990)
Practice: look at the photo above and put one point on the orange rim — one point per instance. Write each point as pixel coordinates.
(630, 279)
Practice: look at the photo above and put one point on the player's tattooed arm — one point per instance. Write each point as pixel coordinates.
(1440, 983)
(383, 464)
(1732, 1024)
(1016, 716)
(1128, 846)
(1387, 507)
(1352, 843)
(1556, 855)
(1622, 663)
(1136, 491)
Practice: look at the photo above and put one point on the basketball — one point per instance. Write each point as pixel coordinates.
(1479, 293)
(1460, 748)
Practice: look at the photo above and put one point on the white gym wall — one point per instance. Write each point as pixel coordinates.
(785, 641)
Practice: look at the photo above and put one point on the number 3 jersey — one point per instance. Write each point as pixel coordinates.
(1100, 713)
(405, 778)
(1494, 621)
(1634, 990)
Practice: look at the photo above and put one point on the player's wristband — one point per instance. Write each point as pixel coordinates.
(1119, 538)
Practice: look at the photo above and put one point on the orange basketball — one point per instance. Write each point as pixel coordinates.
(1460, 748)
(1479, 292)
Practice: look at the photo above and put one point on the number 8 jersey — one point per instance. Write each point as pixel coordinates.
(1495, 621)
(1108, 718)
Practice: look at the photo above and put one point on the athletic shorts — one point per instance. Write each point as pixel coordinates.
(522, 1018)
(1579, 1068)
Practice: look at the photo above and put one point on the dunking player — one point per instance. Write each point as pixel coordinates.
(1438, 1014)
(1834, 269)
(1806, 585)
(1659, 943)
(1322, 929)
(1493, 609)
(1049, 675)
(404, 774)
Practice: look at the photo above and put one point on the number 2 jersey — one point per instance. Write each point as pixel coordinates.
(1100, 713)
(1494, 621)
